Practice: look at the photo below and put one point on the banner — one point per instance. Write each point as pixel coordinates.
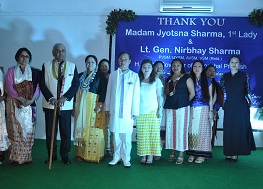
(210, 39)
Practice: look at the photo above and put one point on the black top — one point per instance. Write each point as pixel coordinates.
(181, 97)
(236, 87)
(36, 73)
(98, 85)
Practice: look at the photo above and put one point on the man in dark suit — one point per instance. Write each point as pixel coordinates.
(59, 84)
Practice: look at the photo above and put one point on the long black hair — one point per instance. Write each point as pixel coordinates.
(204, 82)
(182, 69)
(152, 75)
(104, 60)
(157, 62)
(214, 83)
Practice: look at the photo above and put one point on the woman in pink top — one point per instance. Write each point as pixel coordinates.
(21, 84)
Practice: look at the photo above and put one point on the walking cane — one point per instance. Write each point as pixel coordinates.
(52, 137)
(59, 84)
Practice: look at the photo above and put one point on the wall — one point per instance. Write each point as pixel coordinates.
(80, 25)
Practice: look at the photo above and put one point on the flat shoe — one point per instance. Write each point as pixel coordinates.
(109, 153)
(78, 158)
(157, 158)
(200, 160)
(191, 159)
(127, 164)
(179, 160)
(143, 160)
(149, 163)
(149, 160)
(171, 158)
(114, 162)
(66, 161)
(47, 160)
(234, 158)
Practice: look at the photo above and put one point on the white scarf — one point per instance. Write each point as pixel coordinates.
(19, 76)
(24, 114)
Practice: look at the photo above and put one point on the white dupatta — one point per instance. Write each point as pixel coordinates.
(23, 114)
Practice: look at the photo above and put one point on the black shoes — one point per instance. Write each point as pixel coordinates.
(234, 158)
(228, 159)
(231, 158)
(53, 159)
(66, 161)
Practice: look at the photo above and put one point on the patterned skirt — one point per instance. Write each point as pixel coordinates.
(21, 131)
(177, 123)
(4, 142)
(199, 132)
(148, 134)
(89, 128)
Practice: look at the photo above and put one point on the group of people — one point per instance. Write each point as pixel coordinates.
(177, 111)
(65, 93)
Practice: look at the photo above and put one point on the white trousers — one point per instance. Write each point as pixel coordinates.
(122, 146)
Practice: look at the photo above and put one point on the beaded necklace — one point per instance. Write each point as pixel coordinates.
(85, 82)
(174, 84)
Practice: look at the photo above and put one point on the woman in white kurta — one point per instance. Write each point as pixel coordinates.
(148, 123)
(158, 68)
(4, 142)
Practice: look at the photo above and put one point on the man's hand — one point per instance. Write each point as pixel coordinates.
(61, 101)
(52, 101)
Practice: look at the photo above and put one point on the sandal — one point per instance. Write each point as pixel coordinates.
(179, 160)
(109, 153)
(234, 158)
(149, 160)
(77, 158)
(200, 160)
(171, 158)
(143, 160)
(191, 159)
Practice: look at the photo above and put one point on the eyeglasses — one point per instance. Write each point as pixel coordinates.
(25, 56)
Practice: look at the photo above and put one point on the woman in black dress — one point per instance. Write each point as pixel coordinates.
(238, 137)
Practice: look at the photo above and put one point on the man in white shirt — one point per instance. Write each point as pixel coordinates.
(122, 105)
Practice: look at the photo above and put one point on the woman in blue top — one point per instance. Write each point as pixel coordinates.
(201, 115)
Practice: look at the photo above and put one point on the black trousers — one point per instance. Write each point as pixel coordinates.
(64, 120)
